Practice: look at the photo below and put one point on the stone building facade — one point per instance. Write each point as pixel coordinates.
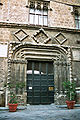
(40, 45)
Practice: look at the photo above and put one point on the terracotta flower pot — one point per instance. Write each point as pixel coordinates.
(12, 107)
(70, 104)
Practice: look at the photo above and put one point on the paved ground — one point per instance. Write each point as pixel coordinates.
(41, 112)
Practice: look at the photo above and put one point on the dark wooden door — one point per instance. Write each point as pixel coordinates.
(40, 82)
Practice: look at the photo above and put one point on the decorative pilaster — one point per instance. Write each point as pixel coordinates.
(17, 72)
(61, 73)
(10, 51)
(70, 64)
(25, 92)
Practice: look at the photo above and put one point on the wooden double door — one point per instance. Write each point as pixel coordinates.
(40, 82)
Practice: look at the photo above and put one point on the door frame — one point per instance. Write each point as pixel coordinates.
(49, 86)
(29, 51)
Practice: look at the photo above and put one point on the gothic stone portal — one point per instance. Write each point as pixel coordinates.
(41, 76)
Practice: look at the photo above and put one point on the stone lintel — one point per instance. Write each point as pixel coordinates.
(17, 61)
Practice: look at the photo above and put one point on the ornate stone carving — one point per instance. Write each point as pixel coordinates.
(21, 35)
(41, 37)
(32, 4)
(60, 38)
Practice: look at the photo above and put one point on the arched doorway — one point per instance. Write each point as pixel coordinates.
(30, 63)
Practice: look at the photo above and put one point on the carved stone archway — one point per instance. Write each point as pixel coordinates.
(19, 53)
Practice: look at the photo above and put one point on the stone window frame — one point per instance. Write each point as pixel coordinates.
(77, 21)
(39, 8)
(76, 13)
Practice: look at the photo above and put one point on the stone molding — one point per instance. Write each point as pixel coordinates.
(20, 37)
(56, 37)
(17, 61)
(12, 25)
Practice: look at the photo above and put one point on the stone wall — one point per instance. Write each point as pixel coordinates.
(70, 40)
(3, 79)
(5, 35)
(9, 34)
(72, 2)
(14, 27)
(3, 70)
(13, 11)
(61, 16)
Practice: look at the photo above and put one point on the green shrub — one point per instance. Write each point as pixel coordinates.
(69, 88)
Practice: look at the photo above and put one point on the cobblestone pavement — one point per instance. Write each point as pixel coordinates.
(41, 112)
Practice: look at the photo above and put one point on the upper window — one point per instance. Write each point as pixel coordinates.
(38, 14)
(77, 21)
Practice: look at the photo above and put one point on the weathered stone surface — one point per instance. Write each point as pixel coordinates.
(3, 71)
(61, 16)
(3, 79)
(14, 18)
(17, 12)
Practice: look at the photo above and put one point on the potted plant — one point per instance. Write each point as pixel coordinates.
(69, 88)
(13, 101)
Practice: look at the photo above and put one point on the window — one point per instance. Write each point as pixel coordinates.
(77, 21)
(38, 14)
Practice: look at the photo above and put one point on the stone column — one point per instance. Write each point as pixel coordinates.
(25, 91)
(55, 81)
